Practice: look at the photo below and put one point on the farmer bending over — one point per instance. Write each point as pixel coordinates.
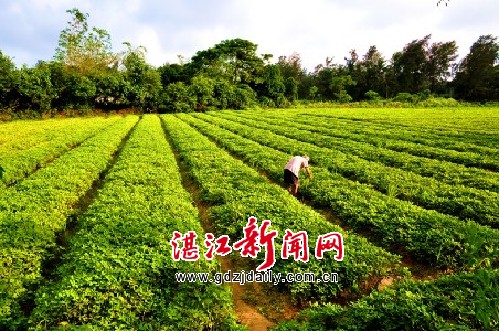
(292, 170)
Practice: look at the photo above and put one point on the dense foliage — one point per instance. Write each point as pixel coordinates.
(117, 273)
(458, 302)
(88, 206)
(85, 73)
(235, 192)
(35, 210)
(431, 237)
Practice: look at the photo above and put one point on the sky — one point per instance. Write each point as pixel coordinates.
(315, 29)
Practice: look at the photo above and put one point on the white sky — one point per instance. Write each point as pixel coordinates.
(316, 29)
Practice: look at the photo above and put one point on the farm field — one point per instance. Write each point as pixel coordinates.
(89, 208)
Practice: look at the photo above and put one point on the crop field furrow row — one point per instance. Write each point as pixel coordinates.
(380, 134)
(236, 192)
(469, 159)
(468, 122)
(479, 138)
(118, 272)
(438, 126)
(447, 172)
(22, 134)
(455, 302)
(443, 140)
(248, 312)
(21, 161)
(34, 211)
(23, 137)
(430, 237)
(466, 203)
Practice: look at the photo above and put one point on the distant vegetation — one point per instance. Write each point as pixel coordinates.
(86, 74)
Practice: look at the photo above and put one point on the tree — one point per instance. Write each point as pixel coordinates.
(338, 85)
(35, 88)
(291, 68)
(372, 96)
(373, 71)
(420, 66)
(81, 90)
(85, 71)
(291, 89)
(410, 66)
(173, 73)
(313, 92)
(202, 89)
(176, 98)
(352, 61)
(322, 79)
(111, 90)
(144, 80)
(477, 73)
(367, 71)
(234, 60)
(8, 80)
(440, 57)
(244, 97)
(224, 94)
(273, 86)
(84, 50)
(333, 81)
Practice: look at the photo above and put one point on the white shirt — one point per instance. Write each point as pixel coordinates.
(295, 164)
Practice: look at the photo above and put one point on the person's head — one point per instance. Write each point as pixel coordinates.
(306, 157)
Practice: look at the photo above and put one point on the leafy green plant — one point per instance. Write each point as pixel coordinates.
(28, 147)
(434, 238)
(457, 302)
(466, 203)
(237, 192)
(33, 211)
(118, 271)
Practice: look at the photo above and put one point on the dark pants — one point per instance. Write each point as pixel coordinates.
(289, 177)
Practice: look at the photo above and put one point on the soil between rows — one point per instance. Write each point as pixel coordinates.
(248, 312)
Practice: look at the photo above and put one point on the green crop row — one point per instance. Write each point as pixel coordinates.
(430, 237)
(459, 133)
(342, 139)
(461, 121)
(469, 159)
(26, 151)
(21, 135)
(447, 172)
(466, 203)
(35, 210)
(27, 132)
(118, 273)
(443, 139)
(236, 192)
(456, 302)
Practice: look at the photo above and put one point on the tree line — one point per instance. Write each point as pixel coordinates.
(85, 73)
